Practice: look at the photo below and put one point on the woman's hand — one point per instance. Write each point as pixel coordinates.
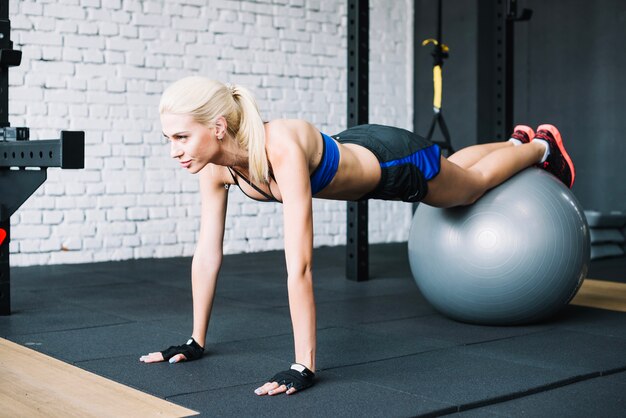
(273, 388)
(158, 357)
(297, 378)
(152, 358)
(188, 351)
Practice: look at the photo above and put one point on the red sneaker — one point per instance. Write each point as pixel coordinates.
(523, 133)
(559, 162)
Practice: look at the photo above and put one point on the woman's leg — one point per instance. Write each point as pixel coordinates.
(455, 185)
(469, 156)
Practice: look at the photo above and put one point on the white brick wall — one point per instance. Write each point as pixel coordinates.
(100, 66)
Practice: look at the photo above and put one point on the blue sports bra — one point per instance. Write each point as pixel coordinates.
(321, 177)
(328, 166)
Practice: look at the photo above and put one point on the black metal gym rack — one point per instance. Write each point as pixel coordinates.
(23, 163)
(357, 245)
(496, 34)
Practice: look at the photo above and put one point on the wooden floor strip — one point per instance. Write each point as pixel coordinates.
(602, 294)
(35, 385)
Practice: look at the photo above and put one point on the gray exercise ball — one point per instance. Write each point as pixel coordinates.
(518, 255)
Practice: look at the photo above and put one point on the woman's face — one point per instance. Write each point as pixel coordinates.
(193, 144)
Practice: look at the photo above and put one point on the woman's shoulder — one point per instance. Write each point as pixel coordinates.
(214, 176)
(287, 125)
(282, 135)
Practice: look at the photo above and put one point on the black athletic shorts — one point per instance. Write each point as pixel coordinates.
(407, 160)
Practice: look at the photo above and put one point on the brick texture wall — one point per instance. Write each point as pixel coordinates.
(101, 65)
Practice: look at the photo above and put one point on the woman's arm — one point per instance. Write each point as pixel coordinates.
(291, 171)
(207, 257)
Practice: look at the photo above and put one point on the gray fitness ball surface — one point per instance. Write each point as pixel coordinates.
(516, 256)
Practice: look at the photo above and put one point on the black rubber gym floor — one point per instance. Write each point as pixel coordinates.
(382, 350)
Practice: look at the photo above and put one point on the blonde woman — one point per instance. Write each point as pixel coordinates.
(216, 131)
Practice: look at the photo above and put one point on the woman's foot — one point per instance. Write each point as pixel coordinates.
(522, 134)
(556, 160)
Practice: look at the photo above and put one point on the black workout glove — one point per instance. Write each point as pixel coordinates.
(191, 350)
(298, 377)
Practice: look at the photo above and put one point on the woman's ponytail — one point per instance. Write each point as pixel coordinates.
(251, 134)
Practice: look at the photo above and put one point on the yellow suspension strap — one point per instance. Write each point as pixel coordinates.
(440, 51)
(437, 74)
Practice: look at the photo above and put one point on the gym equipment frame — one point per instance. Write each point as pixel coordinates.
(23, 163)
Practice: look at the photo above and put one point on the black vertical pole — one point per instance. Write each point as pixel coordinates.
(5, 270)
(509, 81)
(357, 255)
(496, 52)
(5, 220)
(495, 108)
(416, 74)
(5, 43)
